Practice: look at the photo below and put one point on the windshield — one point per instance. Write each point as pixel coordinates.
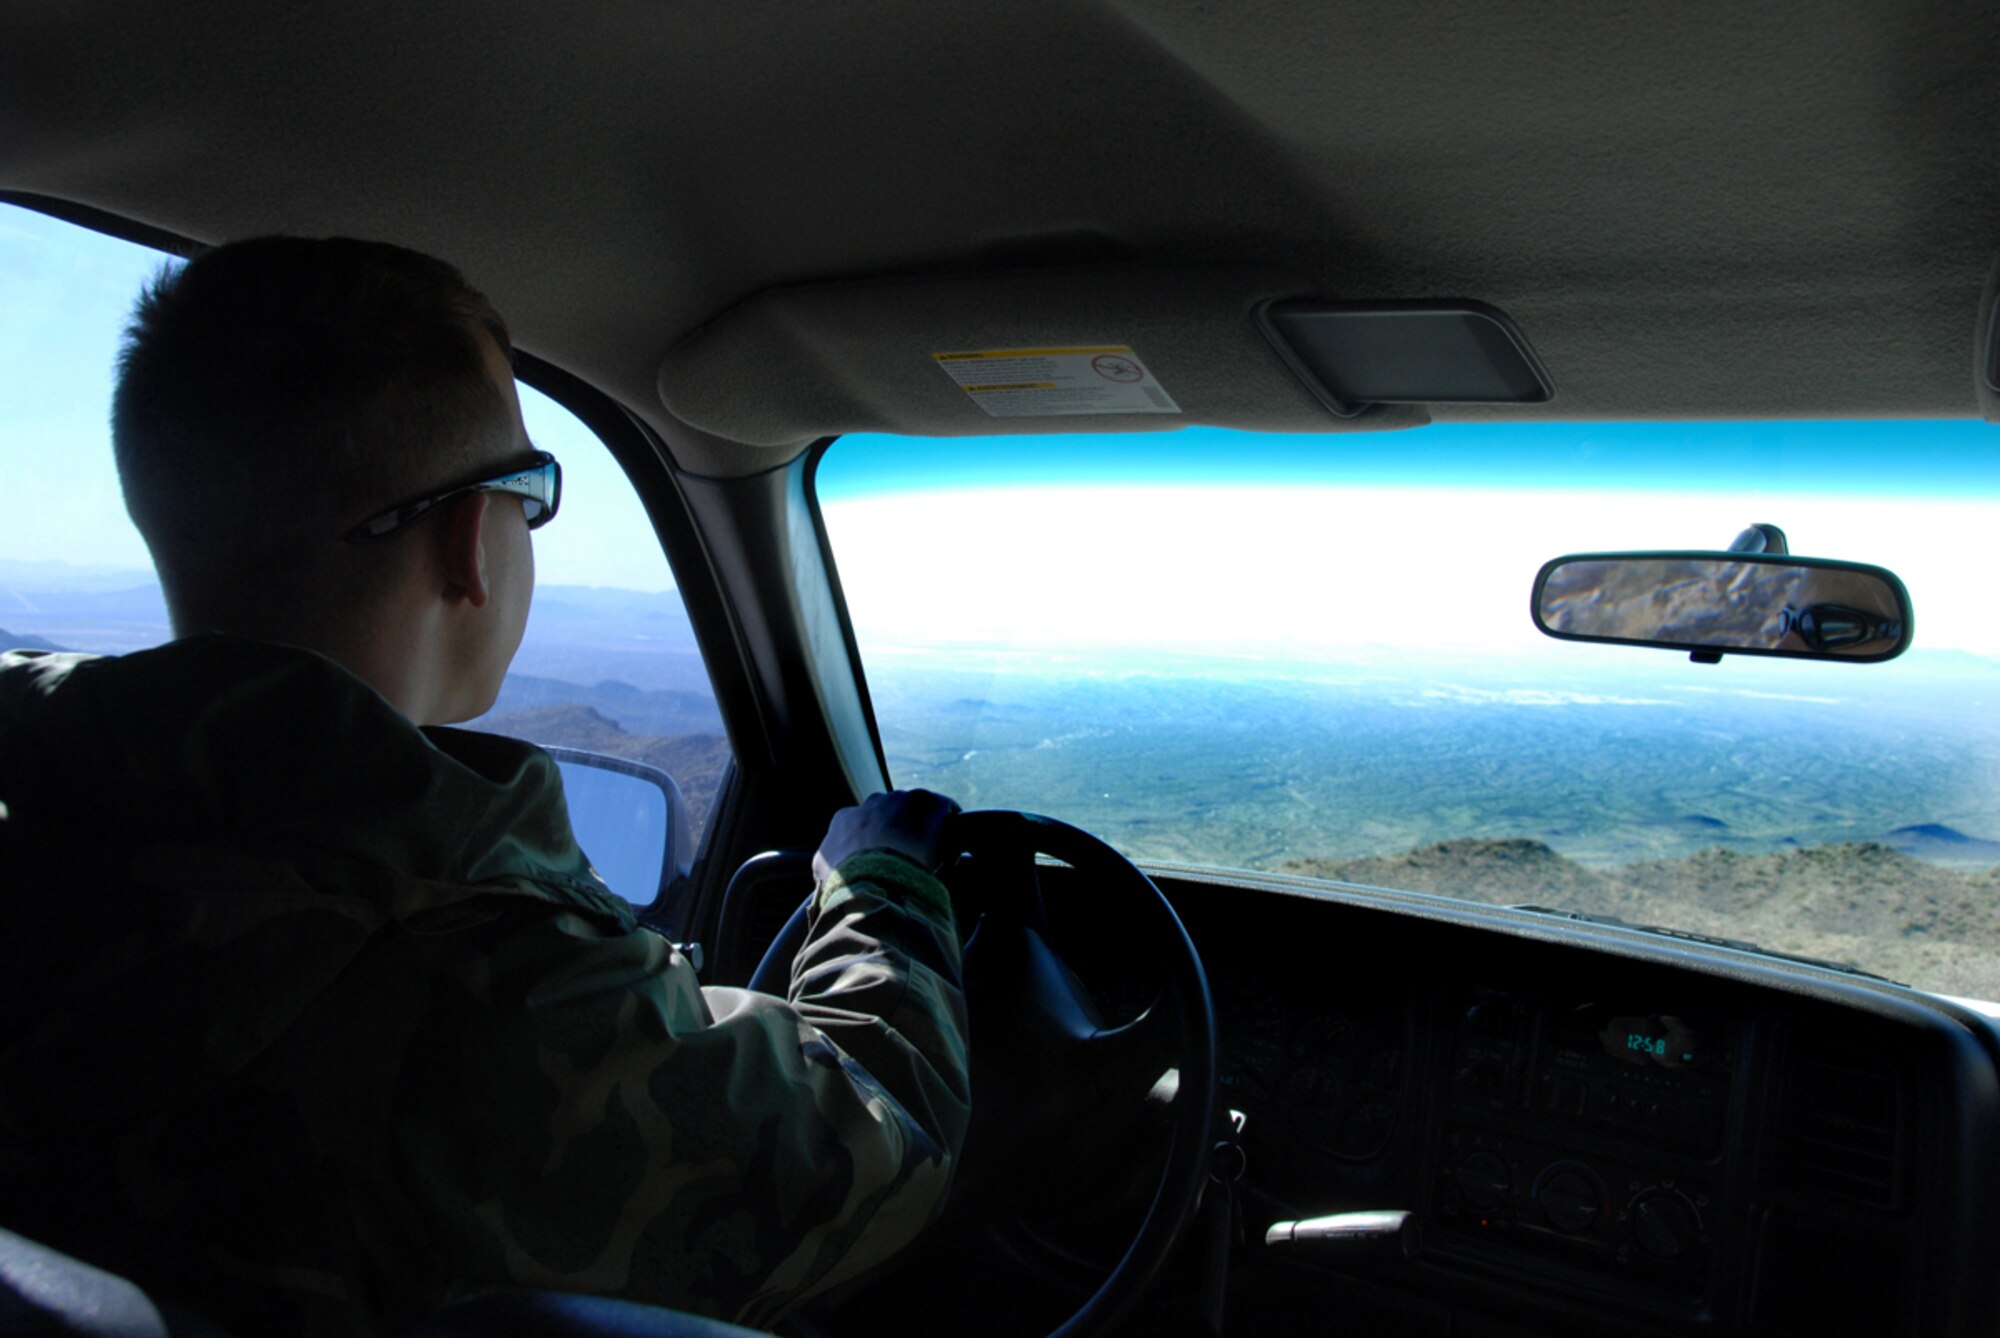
(1314, 655)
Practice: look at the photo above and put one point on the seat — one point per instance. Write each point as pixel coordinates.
(47, 1294)
(562, 1315)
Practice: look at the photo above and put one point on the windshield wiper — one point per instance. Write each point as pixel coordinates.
(1707, 940)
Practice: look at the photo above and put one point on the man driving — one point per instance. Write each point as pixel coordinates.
(317, 1016)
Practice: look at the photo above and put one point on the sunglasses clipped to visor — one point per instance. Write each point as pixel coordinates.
(538, 485)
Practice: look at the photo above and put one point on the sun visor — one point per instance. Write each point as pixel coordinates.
(1118, 349)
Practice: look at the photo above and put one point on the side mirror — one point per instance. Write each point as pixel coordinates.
(632, 821)
(1738, 603)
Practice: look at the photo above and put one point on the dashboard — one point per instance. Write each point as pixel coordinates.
(1593, 1134)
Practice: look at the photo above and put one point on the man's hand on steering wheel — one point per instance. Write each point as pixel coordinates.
(912, 823)
(1048, 1067)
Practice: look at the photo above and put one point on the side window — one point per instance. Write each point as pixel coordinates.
(608, 664)
(74, 574)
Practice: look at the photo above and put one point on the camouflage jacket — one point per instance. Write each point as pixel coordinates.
(314, 1019)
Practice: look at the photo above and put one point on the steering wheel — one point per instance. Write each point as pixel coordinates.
(1041, 1055)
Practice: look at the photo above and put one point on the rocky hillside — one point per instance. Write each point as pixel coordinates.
(695, 761)
(1888, 912)
(23, 641)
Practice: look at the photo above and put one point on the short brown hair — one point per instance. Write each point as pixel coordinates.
(273, 392)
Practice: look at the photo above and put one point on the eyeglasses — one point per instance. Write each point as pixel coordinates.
(539, 486)
(1837, 627)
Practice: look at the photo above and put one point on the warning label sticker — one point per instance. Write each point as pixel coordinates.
(1046, 382)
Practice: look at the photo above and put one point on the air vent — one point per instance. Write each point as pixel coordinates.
(1841, 1133)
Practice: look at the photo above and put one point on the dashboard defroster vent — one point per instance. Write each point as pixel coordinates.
(1841, 1127)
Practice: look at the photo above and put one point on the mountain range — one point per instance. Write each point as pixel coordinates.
(1858, 902)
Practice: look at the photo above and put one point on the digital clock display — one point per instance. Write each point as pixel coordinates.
(1658, 1039)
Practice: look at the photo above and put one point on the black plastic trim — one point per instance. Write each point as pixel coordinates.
(110, 224)
(1993, 350)
(813, 457)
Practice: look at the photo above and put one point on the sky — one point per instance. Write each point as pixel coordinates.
(1256, 569)
(1779, 460)
(64, 296)
(1398, 537)
(1429, 537)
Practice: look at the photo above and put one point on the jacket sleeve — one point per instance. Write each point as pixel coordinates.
(579, 1115)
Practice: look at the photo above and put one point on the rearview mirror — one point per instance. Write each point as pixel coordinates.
(630, 819)
(1738, 603)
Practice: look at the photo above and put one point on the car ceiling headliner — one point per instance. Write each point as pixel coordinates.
(1789, 209)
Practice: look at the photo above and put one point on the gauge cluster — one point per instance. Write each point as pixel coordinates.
(1335, 1077)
